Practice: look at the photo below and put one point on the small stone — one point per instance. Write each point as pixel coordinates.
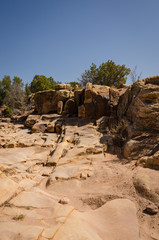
(64, 200)
(151, 209)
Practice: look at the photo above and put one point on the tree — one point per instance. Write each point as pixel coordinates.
(18, 80)
(27, 90)
(89, 75)
(40, 83)
(5, 85)
(15, 97)
(133, 75)
(107, 73)
(75, 84)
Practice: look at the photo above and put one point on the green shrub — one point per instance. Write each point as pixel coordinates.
(19, 217)
(7, 112)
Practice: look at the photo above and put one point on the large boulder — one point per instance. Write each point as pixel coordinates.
(70, 107)
(139, 106)
(93, 102)
(143, 110)
(97, 101)
(79, 96)
(145, 184)
(47, 101)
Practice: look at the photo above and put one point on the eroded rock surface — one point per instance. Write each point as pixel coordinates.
(59, 179)
(140, 107)
(65, 185)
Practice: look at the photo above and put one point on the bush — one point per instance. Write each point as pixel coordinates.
(40, 83)
(107, 73)
(119, 134)
(7, 112)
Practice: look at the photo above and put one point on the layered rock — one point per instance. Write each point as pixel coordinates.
(65, 185)
(140, 104)
(140, 108)
(47, 101)
(97, 101)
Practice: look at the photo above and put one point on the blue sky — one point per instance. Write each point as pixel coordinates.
(61, 38)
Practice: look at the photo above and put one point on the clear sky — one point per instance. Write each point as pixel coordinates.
(61, 38)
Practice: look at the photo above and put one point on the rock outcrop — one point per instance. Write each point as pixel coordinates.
(59, 178)
(98, 101)
(136, 105)
(139, 106)
(47, 101)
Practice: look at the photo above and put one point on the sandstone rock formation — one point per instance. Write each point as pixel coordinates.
(142, 114)
(59, 178)
(98, 101)
(47, 101)
(136, 105)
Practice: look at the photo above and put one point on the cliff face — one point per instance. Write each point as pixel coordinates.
(140, 107)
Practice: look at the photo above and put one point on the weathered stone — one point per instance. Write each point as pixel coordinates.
(51, 127)
(152, 80)
(70, 107)
(54, 159)
(27, 184)
(144, 108)
(113, 223)
(59, 126)
(41, 126)
(79, 97)
(36, 199)
(31, 120)
(13, 230)
(3, 125)
(123, 104)
(6, 120)
(50, 117)
(150, 161)
(71, 171)
(63, 86)
(96, 101)
(130, 147)
(59, 107)
(151, 208)
(64, 200)
(8, 188)
(145, 184)
(81, 111)
(47, 101)
(140, 106)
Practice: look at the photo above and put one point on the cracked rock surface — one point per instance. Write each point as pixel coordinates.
(62, 185)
